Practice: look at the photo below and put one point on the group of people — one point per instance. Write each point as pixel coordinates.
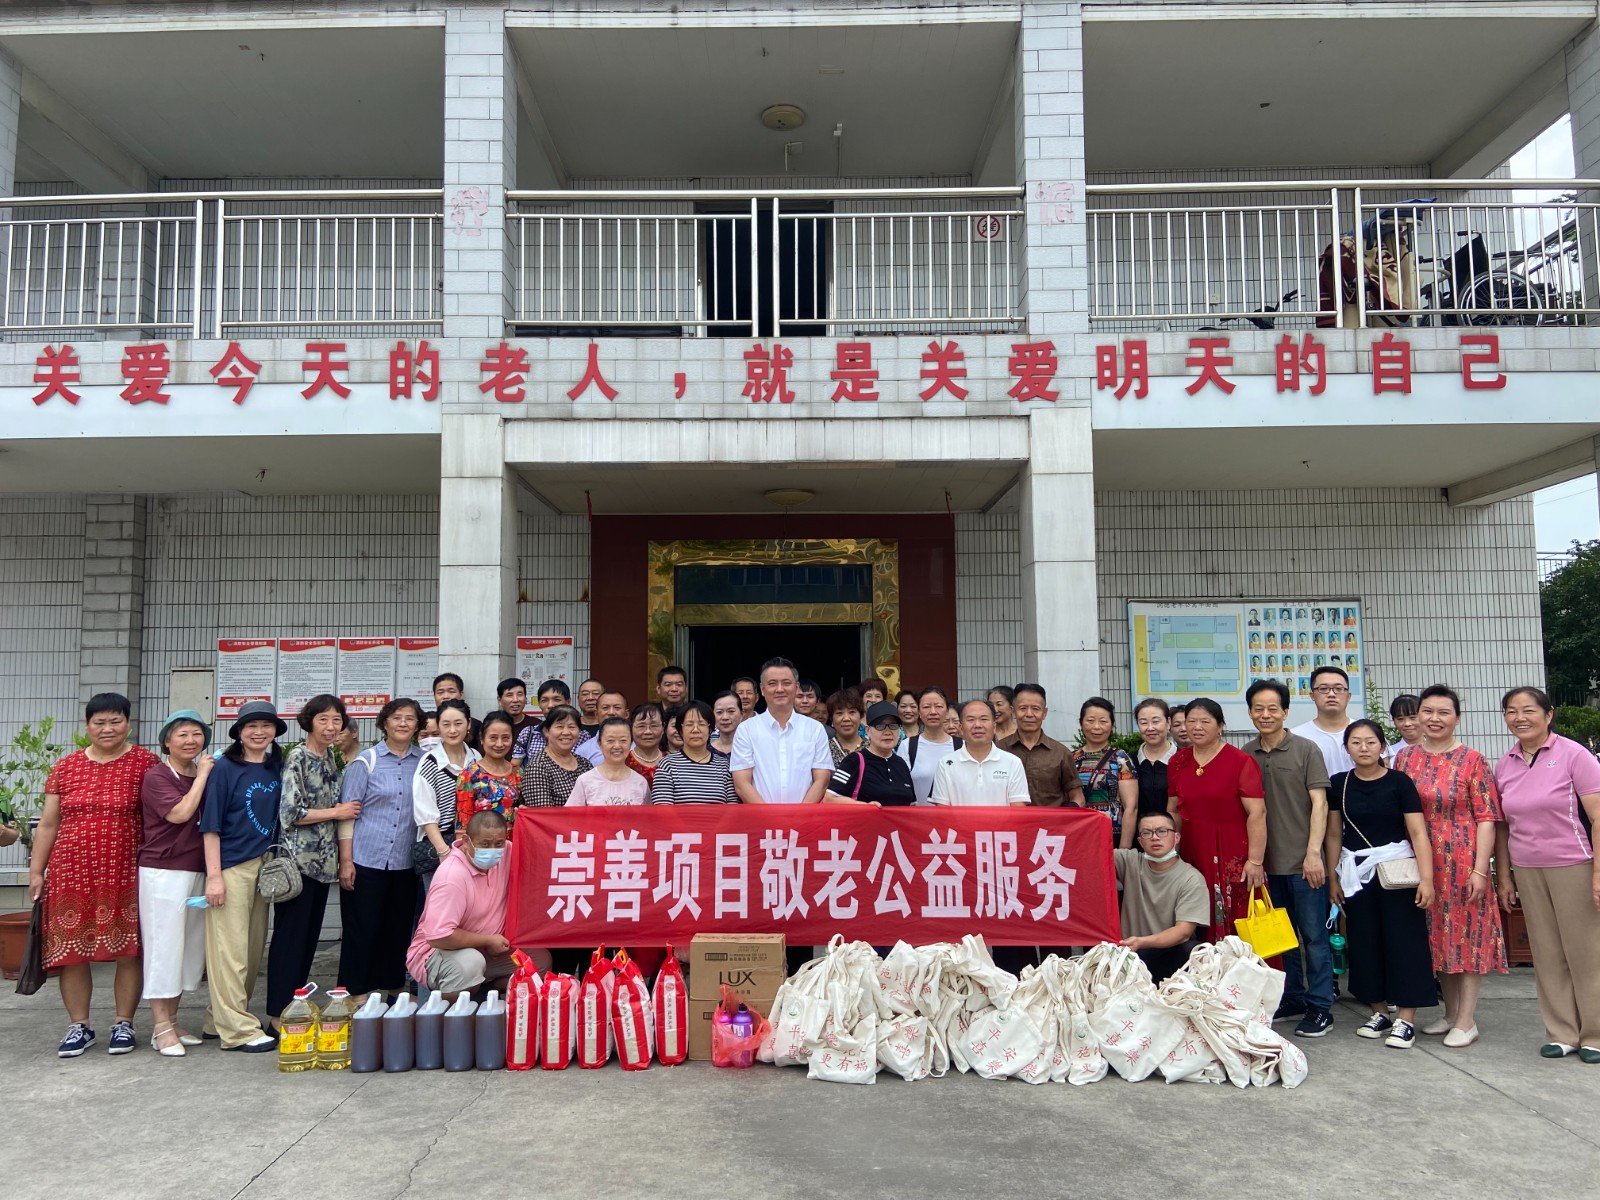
(413, 830)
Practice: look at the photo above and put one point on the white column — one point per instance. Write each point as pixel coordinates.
(1061, 628)
(1060, 609)
(111, 630)
(477, 505)
(1583, 106)
(477, 557)
(10, 116)
(1050, 164)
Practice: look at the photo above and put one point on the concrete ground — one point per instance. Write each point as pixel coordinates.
(1494, 1119)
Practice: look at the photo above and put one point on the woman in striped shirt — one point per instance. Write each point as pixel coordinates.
(694, 775)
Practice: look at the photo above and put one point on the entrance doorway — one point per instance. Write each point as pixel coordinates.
(834, 656)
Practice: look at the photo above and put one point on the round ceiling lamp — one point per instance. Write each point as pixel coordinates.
(783, 117)
(789, 497)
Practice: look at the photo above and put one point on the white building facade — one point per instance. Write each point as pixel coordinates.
(481, 321)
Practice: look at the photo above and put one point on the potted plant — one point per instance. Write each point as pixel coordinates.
(24, 766)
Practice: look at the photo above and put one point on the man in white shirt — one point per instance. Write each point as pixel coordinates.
(980, 773)
(779, 756)
(1330, 687)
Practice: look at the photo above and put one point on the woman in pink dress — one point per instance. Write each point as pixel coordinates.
(86, 867)
(1217, 801)
(1461, 805)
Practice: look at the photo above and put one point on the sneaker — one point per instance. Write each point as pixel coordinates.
(121, 1038)
(1316, 1024)
(1377, 1025)
(1403, 1035)
(79, 1038)
(1288, 1010)
(260, 1044)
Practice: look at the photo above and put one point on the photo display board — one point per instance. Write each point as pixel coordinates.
(1180, 650)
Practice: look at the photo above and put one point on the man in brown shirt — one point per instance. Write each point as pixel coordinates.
(1052, 775)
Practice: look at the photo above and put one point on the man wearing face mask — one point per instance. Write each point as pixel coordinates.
(1163, 898)
(460, 944)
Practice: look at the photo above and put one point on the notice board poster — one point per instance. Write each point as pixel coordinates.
(307, 667)
(1179, 650)
(247, 669)
(417, 662)
(541, 658)
(366, 674)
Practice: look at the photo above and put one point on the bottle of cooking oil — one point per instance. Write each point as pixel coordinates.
(333, 1032)
(297, 1040)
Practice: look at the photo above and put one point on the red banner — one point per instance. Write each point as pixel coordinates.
(658, 874)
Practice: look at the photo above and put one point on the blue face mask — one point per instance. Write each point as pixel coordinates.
(486, 860)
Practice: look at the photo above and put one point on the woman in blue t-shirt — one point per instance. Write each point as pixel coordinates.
(238, 824)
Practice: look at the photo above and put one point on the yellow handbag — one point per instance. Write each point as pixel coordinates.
(1267, 929)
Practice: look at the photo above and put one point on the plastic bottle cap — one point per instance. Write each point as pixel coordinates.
(304, 992)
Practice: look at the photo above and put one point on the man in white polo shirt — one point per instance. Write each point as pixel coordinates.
(980, 773)
(779, 756)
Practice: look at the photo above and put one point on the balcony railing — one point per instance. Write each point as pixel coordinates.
(215, 264)
(1417, 252)
(707, 263)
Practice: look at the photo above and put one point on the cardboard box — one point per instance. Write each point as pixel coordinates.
(700, 1023)
(706, 980)
(752, 950)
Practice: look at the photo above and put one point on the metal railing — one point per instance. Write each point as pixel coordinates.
(209, 264)
(1407, 252)
(733, 262)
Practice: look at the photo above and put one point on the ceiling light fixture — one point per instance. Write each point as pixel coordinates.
(830, 70)
(783, 117)
(789, 497)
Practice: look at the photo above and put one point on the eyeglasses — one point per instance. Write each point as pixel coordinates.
(1331, 691)
(885, 726)
(1149, 835)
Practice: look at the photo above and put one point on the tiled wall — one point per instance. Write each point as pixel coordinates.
(41, 596)
(553, 581)
(1448, 595)
(240, 566)
(988, 602)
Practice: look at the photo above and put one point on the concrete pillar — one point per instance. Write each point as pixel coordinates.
(1060, 606)
(480, 164)
(1050, 166)
(1583, 106)
(1061, 628)
(477, 504)
(111, 633)
(10, 116)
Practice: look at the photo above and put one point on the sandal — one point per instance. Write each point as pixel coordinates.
(175, 1050)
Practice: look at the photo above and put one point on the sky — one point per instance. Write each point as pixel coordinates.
(1569, 511)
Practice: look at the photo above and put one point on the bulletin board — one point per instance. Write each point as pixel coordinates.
(1180, 650)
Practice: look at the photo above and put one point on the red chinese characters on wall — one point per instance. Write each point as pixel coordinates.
(56, 369)
(853, 373)
(943, 366)
(1298, 365)
(146, 368)
(593, 378)
(411, 370)
(237, 370)
(766, 374)
(507, 369)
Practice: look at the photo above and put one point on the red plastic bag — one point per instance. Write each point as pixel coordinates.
(523, 994)
(633, 1020)
(672, 1013)
(594, 1011)
(728, 1047)
(558, 1022)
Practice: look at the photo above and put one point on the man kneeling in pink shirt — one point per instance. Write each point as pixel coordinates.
(460, 942)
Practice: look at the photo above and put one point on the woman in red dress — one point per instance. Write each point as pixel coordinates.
(86, 867)
(1216, 799)
(1461, 804)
